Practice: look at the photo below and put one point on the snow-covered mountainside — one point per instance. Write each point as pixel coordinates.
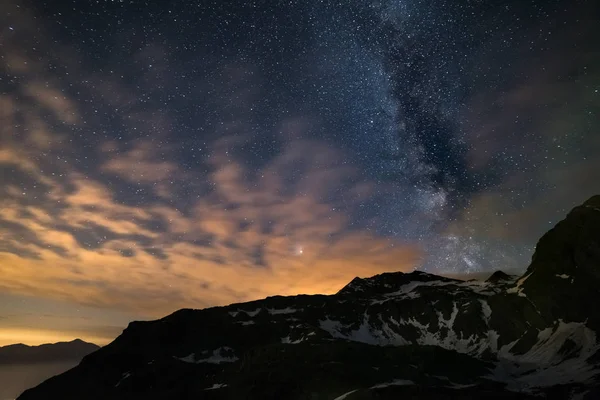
(392, 335)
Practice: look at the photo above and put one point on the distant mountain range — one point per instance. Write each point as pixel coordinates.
(62, 351)
(391, 336)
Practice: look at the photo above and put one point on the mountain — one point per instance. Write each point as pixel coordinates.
(396, 334)
(62, 351)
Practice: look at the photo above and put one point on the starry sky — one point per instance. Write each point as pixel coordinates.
(156, 155)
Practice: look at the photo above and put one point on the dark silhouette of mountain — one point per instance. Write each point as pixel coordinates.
(391, 336)
(52, 352)
(500, 276)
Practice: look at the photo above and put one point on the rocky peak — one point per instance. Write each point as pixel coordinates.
(388, 282)
(563, 278)
(593, 202)
(500, 276)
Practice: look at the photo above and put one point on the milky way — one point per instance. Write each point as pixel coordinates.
(287, 136)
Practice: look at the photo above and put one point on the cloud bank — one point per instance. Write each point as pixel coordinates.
(122, 224)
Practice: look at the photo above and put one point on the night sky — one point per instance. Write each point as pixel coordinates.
(169, 154)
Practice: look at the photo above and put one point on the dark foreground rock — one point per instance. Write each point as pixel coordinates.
(395, 335)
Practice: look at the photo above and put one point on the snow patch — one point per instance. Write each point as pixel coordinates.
(448, 323)
(217, 386)
(190, 358)
(393, 338)
(407, 289)
(396, 382)
(286, 310)
(452, 384)
(218, 356)
(579, 396)
(333, 328)
(474, 344)
(365, 333)
(249, 313)
(123, 377)
(544, 334)
(486, 310)
(386, 332)
(518, 287)
(543, 365)
(460, 386)
(287, 340)
(550, 340)
(342, 397)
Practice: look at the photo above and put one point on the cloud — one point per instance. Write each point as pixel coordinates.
(235, 242)
(543, 120)
(139, 164)
(53, 100)
(101, 207)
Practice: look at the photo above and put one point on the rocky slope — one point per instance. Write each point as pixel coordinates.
(416, 335)
(51, 352)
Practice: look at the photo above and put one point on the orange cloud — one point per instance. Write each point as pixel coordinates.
(140, 164)
(53, 100)
(68, 234)
(214, 255)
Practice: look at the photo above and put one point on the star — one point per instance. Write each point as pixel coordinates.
(298, 250)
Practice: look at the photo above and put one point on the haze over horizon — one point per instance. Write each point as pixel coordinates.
(160, 155)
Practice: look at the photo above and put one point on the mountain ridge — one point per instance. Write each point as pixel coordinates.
(47, 352)
(381, 337)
